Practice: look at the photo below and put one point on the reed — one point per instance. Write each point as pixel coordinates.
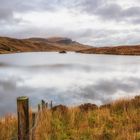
(119, 120)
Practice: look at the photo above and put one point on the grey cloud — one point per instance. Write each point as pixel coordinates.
(5, 14)
(111, 11)
(91, 5)
(35, 5)
(117, 13)
(131, 12)
(101, 8)
(9, 8)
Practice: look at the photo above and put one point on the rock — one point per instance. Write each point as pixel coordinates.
(88, 106)
(62, 52)
(60, 108)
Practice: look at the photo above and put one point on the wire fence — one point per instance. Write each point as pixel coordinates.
(31, 130)
(34, 120)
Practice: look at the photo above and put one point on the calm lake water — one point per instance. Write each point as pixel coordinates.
(69, 79)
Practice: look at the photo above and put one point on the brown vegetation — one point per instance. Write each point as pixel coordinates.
(10, 45)
(118, 50)
(58, 44)
(116, 121)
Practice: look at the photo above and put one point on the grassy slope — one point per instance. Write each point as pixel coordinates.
(118, 50)
(118, 121)
(11, 45)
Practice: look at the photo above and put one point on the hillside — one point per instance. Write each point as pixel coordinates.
(58, 44)
(11, 45)
(117, 50)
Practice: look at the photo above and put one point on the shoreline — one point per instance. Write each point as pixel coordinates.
(115, 54)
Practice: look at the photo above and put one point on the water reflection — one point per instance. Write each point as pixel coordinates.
(67, 78)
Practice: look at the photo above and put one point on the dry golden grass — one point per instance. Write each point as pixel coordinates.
(8, 128)
(119, 121)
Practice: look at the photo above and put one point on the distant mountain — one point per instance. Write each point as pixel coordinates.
(12, 45)
(60, 44)
(58, 40)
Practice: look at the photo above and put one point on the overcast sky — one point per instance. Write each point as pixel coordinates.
(93, 22)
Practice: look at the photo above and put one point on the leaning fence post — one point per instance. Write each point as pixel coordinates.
(23, 118)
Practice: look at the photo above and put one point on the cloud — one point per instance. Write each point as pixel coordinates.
(93, 22)
(8, 9)
(116, 12)
(5, 14)
(91, 5)
(113, 11)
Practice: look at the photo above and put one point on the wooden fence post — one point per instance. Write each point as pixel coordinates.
(43, 104)
(33, 125)
(39, 107)
(51, 105)
(23, 118)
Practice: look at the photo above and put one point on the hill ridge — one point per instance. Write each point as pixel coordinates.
(58, 44)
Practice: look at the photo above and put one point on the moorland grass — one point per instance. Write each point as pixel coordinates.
(118, 121)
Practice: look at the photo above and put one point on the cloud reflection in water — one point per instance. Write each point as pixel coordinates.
(71, 82)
